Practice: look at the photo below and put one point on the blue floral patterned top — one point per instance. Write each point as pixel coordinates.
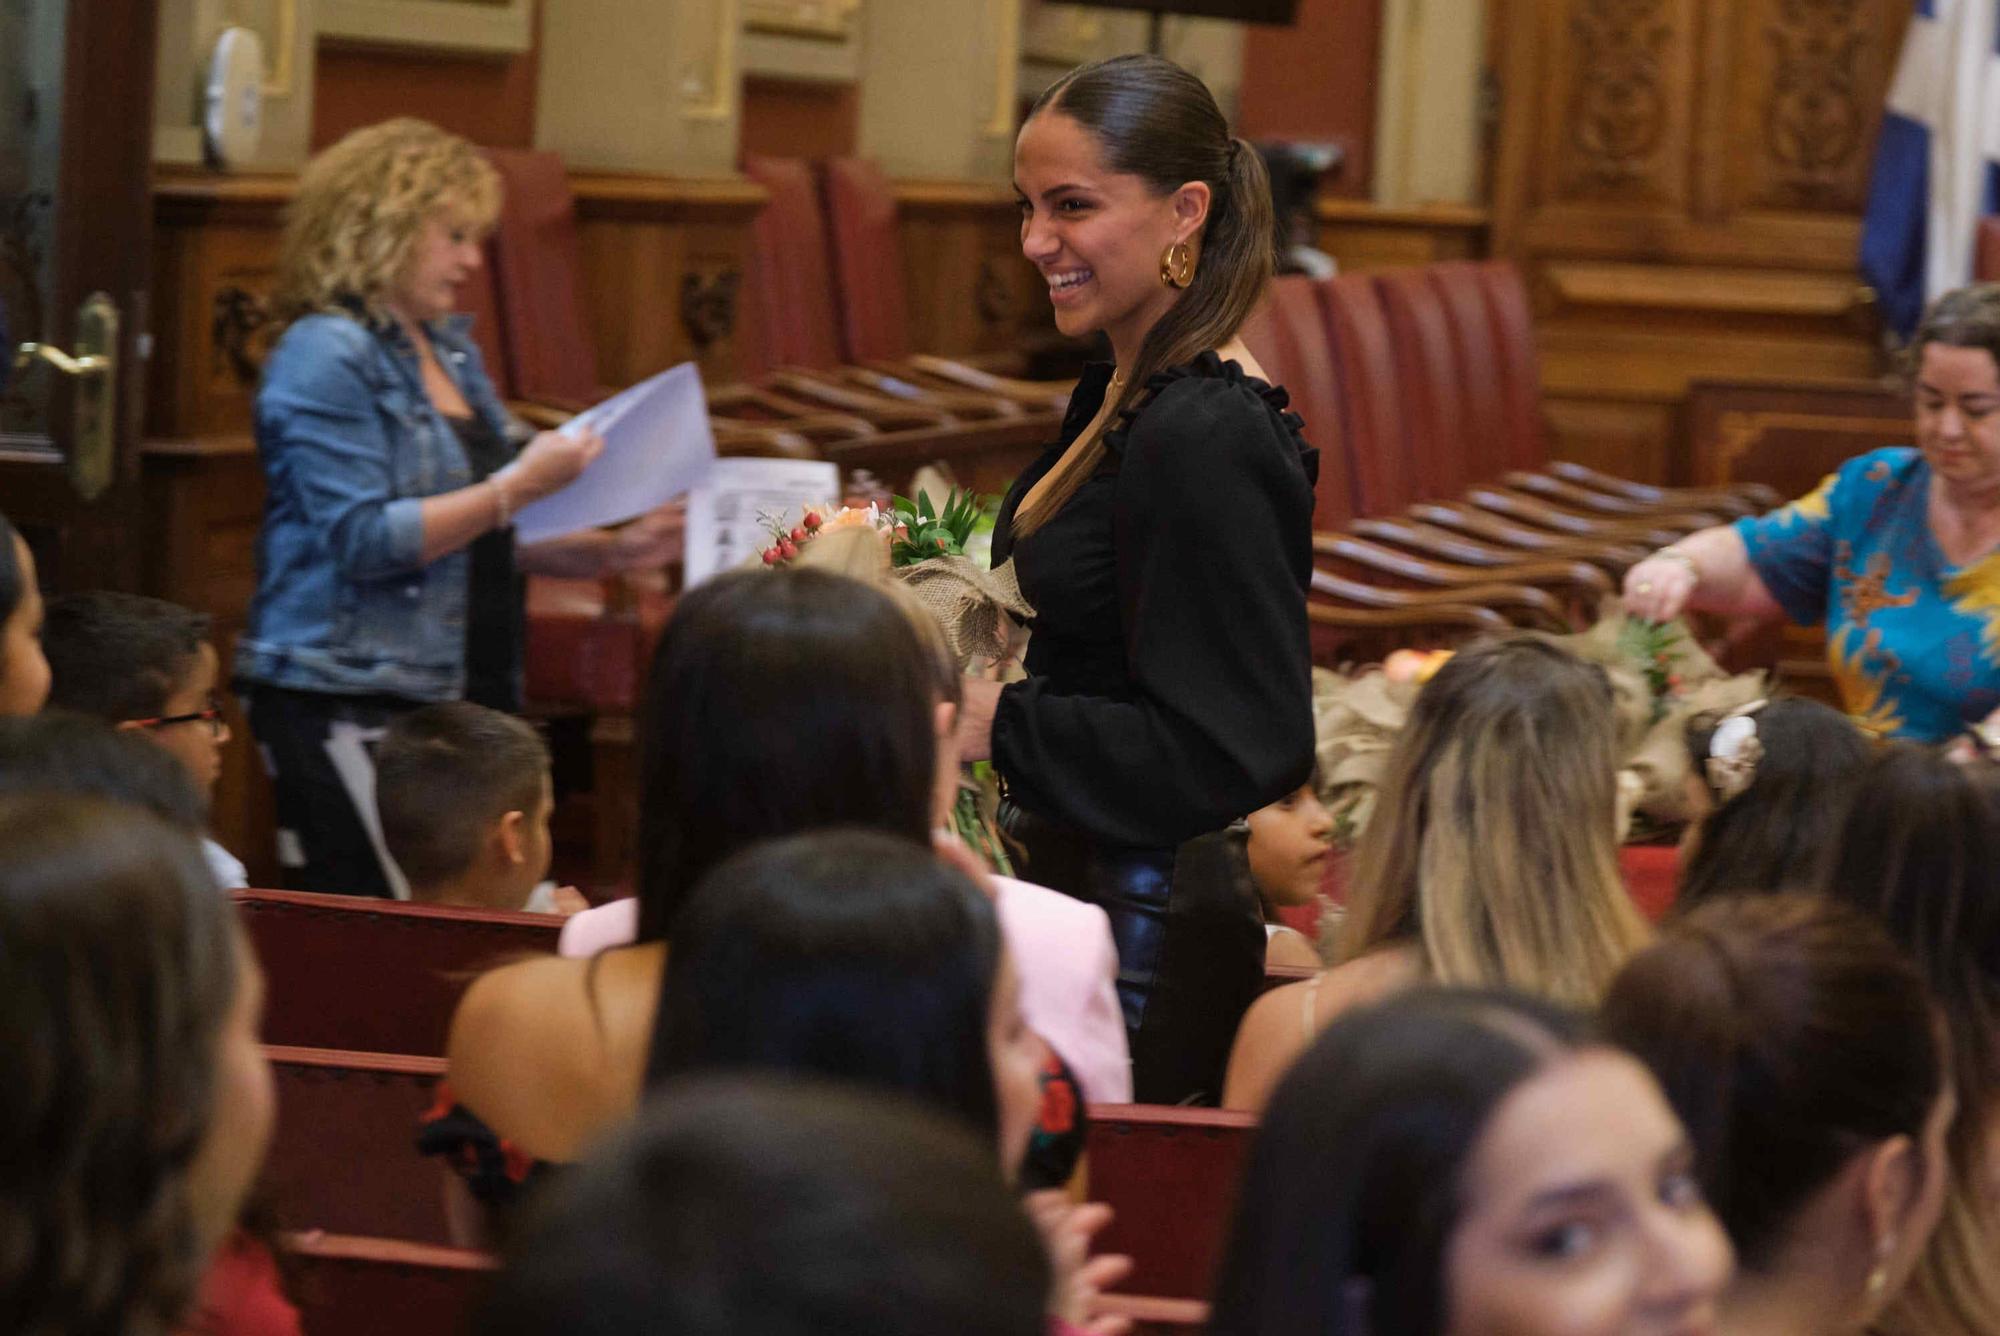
(1913, 641)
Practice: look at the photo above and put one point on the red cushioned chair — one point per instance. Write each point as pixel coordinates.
(1305, 360)
(799, 308)
(1170, 1175)
(868, 257)
(356, 972)
(346, 1284)
(343, 1154)
(1454, 458)
(1393, 493)
(1351, 618)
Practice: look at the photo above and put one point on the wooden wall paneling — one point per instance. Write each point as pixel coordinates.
(216, 241)
(663, 262)
(969, 288)
(488, 100)
(204, 500)
(1681, 181)
(1364, 236)
(796, 118)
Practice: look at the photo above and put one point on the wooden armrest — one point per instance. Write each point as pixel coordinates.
(1574, 496)
(1751, 497)
(961, 404)
(1526, 509)
(741, 438)
(886, 414)
(1586, 581)
(1445, 545)
(960, 373)
(1531, 607)
(1462, 518)
(756, 406)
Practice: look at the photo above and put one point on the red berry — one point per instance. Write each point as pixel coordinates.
(813, 520)
(798, 534)
(788, 549)
(770, 556)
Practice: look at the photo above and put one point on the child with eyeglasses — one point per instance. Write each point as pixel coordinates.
(147, 665)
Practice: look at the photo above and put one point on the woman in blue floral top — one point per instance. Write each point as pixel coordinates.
(1897, 554)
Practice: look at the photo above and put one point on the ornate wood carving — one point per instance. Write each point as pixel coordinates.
(240, 335)
(1814, 117)
(708, 302)
(1618, 105)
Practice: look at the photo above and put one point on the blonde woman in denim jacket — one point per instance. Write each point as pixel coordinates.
(387, 575)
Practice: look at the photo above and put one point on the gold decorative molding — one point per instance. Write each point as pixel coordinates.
(1007, 70)
(1725, 291)
(714, 99)
(826, 20)
(475, 27)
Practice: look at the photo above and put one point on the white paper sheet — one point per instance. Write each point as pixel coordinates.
(723, 529)
(657, 445)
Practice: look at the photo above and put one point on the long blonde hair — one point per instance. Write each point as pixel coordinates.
(360, 207)
(1494, 843)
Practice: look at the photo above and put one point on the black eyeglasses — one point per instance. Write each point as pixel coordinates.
(210, 715)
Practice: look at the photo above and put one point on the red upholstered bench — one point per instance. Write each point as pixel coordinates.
(346, 1285)
(343, 1156)
(377, 976)
(1170, 1175)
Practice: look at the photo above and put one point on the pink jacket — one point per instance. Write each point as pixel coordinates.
(1061, 946)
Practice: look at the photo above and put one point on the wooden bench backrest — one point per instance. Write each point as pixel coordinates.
(372, 975)
(347, 1284)
(1171, 1175)
(344, 1157)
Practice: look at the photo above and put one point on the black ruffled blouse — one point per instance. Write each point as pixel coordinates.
(1170, 673)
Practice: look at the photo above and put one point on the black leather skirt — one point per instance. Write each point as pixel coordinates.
(1190, 940)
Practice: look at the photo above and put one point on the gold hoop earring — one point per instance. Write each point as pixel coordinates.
(1177, 265)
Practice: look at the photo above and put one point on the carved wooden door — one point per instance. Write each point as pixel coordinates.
(1683, 181)
(76, 98)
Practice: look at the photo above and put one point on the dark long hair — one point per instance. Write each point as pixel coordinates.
(1154, 120)
(1920, 851)
(845, 954)
(1355, 1181)
(777, 703)
(57, 751)
(775, 1208)
(1777, 834)
(1789, 1034)
(117, 969)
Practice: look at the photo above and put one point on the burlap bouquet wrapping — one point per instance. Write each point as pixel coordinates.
(1357, 716)
(971, 604)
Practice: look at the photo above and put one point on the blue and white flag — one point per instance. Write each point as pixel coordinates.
(1935, 167)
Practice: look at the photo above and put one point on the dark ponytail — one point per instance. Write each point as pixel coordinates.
(1154, 120)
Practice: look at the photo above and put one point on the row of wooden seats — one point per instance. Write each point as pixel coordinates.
(347, 1284)
(345, 972)
(343, 1159)
(1421, 388)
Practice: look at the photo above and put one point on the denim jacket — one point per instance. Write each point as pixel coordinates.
(351, 444)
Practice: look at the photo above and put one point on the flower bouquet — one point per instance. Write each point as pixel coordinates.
(936, 555)
(1660, 678)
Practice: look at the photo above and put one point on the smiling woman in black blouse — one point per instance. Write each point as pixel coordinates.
(1165, 542)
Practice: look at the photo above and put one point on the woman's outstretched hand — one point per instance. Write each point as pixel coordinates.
(1658, 588)
(551, 462)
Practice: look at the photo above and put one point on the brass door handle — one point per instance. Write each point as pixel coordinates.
(90, 364)
(93, 436)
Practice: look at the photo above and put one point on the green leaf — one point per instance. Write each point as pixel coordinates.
(924, 506)
(903, 505)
